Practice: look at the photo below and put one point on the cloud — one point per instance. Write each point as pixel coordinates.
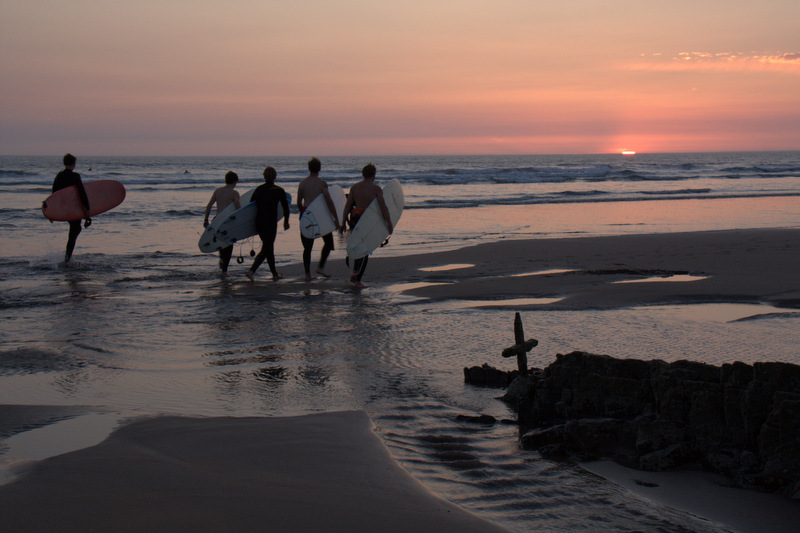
(788, 62)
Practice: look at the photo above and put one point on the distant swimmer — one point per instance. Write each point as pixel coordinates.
(361, 195)
(67, 178)
(223, 197)
(267, 198)
(309, 188)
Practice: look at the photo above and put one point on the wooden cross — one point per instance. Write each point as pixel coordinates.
(521, 348)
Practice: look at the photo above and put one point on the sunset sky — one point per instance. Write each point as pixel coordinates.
(358, 77)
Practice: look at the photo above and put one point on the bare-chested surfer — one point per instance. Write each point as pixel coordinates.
(311, 187)
(361, 195)
(223, 197)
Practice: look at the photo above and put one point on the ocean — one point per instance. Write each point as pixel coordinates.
(142, 323)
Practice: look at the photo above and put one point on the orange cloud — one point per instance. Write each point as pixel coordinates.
(788, 62)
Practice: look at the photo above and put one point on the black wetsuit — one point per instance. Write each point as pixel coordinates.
(67, 178)
(267, 198)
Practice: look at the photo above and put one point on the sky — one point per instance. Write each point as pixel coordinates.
(371, 77)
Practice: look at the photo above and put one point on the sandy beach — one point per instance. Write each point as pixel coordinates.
(330, 471)
(744, 266)
(325, 472)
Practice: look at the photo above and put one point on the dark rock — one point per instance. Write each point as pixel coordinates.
(739, 420)
(488, 376)
(667, 458)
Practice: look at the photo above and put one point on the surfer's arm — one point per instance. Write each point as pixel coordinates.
(300, 199)
(348, 206)
(385, 212)
(85, 201)
(84, 198)
(208, 208)
(285, 205)
(332, 207)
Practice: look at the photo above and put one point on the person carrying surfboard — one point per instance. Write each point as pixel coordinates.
(361, 195)
(67, 178)
(223, 197)
(311, 187)
(267, 198)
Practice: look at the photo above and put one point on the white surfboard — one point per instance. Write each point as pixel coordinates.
(208, 240)
(371, 230)
(241, 224)
(317, 220)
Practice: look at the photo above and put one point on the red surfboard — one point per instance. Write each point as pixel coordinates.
(65, 204)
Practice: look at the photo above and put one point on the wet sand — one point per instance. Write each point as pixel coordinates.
(330, 471)
(736, 266)
(707, 495)
(326, 472)
(753, 266)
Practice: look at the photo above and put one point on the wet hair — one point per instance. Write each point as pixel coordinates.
(270, 172)
(231, 177)
(69, 160)
(314, 165)
(369, 170)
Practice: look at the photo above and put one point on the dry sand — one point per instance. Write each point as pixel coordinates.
(330, 472)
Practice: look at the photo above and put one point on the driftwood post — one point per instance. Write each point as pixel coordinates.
(521, 348)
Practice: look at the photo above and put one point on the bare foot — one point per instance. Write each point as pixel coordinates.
(309, 277)
(323, 273)
(358, 285)
(276, 277)
(249, 275)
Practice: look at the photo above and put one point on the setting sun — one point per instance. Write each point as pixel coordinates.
(254, 77)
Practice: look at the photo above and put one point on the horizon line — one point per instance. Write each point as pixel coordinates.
(531, 154)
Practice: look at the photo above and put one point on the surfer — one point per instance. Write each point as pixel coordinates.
(223, 197)
(361, 194)
(67, 178)
(309, 188)
(267, 198)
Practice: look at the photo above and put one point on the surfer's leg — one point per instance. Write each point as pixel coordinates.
(259, 258)
(225, 257)
(271, 260)
(308, 245)
(359, 267)
(74, 231)
(269, 248)
(327, 248)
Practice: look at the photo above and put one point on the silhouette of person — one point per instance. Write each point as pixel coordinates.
(267, 198)
(67, 178)
(311, 187)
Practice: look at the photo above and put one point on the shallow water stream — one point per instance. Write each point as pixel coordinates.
(159, 333)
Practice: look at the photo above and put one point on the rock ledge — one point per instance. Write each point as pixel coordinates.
(739, 420)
